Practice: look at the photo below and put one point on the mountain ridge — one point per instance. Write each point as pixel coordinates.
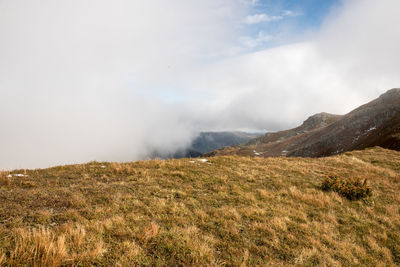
(376, 123)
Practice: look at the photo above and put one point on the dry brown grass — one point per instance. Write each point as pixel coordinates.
(236, 211)
(38, 246)
(46, 247)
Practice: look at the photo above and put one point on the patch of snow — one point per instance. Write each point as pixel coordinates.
(19, 175)
(203, 160)
(284, 152)
(9, 176)
(340, 150)
(102, 166)
(257, 153)
(364, 133)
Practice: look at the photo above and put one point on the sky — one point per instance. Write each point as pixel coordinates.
(84, 80)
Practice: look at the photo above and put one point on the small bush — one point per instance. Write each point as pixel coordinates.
(352, 189)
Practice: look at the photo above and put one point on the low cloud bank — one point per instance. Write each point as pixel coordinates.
(91, 80)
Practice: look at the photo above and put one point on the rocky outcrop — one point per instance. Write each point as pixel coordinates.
(314, 122)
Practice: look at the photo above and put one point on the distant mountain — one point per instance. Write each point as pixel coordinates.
(209, 141)
(376, 123)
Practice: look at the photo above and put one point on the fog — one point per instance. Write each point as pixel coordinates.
(85, 80)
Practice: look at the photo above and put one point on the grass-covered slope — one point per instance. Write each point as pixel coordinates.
(233, 211)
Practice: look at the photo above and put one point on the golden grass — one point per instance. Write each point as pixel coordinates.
(39, 246)
(236, 211)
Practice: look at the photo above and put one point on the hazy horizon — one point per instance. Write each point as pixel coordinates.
(84, 80)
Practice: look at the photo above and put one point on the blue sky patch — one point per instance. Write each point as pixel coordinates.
(275, 22)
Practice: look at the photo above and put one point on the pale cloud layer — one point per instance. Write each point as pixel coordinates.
(258, 18)
(253, 42)
(263, 17)
(94, 80)
(291, 13)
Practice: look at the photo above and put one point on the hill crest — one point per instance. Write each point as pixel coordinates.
(213, 212)
(376, 123)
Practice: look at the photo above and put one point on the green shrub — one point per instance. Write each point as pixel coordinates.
(350, 188)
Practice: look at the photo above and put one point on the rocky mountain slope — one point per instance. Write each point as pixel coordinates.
(376, 123)
(316, 121)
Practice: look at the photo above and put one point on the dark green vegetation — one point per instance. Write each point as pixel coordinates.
(231, 210)
(351, 188)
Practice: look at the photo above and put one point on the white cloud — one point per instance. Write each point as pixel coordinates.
(291, 13)
(253, 42)
(251, 2)
(352, 60)
(80, 79)
(87, 80)
(258, 18)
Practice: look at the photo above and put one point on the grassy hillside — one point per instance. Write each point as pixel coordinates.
(234, 211)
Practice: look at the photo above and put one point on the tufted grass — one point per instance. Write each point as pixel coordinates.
(229, 211)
